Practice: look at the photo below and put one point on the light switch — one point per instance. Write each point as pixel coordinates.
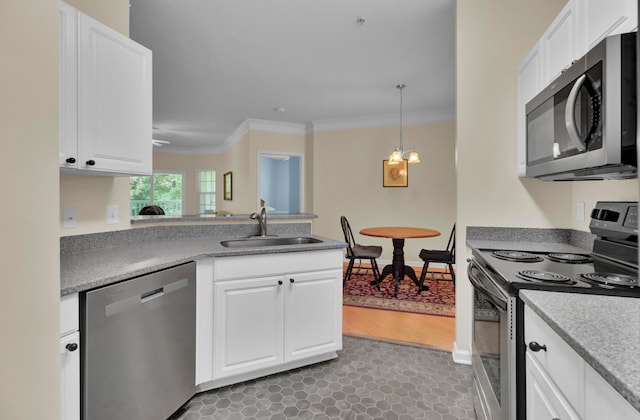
(113, 216)
(69, 218)
(580, 211)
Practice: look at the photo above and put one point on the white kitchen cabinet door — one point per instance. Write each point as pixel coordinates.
(529, 85)
(604, 18)
(544, 400)
(115, 101)
(604, 402)
(70, 377)
(313, 308)
(563, 365)
(68, 82)
(561, 42)
(248, 327)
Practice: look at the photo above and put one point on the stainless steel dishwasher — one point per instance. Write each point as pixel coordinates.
(138, 360)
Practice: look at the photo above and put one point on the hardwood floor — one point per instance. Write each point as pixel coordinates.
(436, 332)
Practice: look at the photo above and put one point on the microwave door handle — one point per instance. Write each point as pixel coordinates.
(569, 119)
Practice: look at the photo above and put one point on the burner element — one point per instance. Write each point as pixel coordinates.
(544, 276)
(611, 279)
(517, 256)
(569, 258)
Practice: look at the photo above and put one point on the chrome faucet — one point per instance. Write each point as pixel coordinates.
(262, 220)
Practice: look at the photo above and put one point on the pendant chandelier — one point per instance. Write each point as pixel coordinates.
(398, 154)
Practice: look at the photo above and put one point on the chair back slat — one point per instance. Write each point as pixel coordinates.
(451, 245)
(348, 235)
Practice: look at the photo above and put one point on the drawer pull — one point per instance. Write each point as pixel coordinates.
(280, 282)
(71, 347)
(534, 346)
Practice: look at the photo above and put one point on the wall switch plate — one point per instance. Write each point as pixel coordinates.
(113, 216)
(580, 211)
(69, 217)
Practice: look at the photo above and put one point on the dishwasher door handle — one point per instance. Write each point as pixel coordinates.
(156, 293)
(129, 302)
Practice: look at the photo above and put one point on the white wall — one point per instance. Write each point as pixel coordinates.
(492, 38)
(29, 244)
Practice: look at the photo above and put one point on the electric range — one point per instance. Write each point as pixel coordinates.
(498, 275)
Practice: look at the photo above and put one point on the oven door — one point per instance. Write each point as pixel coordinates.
(493, 349)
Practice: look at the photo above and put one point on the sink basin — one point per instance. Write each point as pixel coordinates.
(257, 242)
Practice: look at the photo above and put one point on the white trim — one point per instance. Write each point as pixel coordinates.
(462, 357)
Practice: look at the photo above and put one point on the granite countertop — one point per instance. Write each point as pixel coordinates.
(80, 271)
(591, 325)
(508, 245)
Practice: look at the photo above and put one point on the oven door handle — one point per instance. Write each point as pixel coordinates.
(495, 298)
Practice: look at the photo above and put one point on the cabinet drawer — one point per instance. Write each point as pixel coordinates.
(561, 363)
(226, 268)
(69, 314)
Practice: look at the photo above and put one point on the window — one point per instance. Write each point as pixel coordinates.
(162, 189)
(207, 191)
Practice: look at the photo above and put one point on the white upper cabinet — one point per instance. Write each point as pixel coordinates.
(68, 83)
(578, 27)
(561, 42)
(603, 18)
(106, 98)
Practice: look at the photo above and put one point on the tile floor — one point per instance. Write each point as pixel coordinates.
(369, 380)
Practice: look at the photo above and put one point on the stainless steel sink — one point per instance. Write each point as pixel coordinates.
(268, 241)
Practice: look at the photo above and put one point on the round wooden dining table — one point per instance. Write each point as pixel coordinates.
(397, 267)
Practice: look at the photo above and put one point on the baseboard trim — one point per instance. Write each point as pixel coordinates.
(462, 357)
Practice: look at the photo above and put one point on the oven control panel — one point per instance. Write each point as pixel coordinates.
(615, 219)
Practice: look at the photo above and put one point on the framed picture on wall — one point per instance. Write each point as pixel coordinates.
(227, 183)
(395, 174)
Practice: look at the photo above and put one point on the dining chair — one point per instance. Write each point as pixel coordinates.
(359, 252)
(442, 256)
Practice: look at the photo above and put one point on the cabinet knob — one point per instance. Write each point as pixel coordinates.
(91, 162)
(71, 347)
(534, 346)
(292, 280)
(280, 282)
(71, 160)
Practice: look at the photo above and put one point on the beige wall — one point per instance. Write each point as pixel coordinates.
(493, 36)
(90, 195)
(29, 248)
(348, 181)
(241, 159)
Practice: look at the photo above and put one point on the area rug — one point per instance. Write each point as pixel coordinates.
(438, 300)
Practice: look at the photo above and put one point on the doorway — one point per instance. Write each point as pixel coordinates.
(280, 181)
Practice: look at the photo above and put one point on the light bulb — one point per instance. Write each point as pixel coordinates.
(396, 156)
(413, 157)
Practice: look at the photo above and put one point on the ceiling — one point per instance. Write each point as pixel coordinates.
(217, 63)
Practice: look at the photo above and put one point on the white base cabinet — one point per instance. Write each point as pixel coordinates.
(105, 98)
(270, 313)
(561, 385)
(69, 358)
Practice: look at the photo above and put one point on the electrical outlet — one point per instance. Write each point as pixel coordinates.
(113, 216)
(69, 218)
(580, 211)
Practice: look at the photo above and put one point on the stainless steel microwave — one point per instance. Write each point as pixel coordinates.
(583, 125)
